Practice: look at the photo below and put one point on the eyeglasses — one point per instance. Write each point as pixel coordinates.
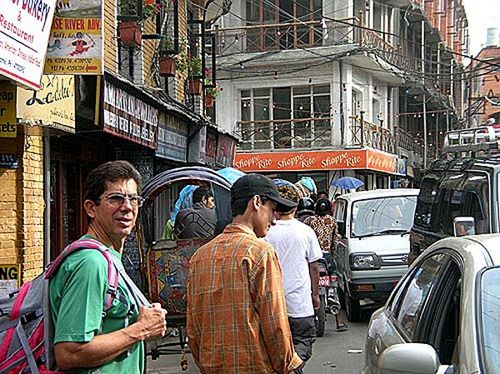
(118, 199)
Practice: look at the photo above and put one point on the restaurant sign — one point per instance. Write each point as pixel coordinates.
(316, 160)
(129, 117)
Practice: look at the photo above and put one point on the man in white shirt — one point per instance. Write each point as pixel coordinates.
(298, 252)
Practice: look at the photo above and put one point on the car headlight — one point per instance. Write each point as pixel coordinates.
(364, 261)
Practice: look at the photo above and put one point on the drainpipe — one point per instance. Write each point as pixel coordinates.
(424, 104)
(46, 198)
(341, 104)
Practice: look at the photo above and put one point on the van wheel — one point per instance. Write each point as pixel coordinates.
(352, 308)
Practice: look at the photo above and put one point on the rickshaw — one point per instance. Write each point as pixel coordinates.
(164, 261)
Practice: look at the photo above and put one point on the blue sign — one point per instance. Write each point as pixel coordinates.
(8, 161)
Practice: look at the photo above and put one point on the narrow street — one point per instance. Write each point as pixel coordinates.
(333, 353)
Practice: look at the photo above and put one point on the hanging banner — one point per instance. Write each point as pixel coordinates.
(75, 45)
(24, 33)
(8, 126)
(52, 106)
(129, 117)
(316, 160)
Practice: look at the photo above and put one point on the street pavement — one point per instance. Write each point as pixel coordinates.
(332, 353)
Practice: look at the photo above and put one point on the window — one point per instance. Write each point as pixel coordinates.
(489, 320)
(449, 205)
(426, 200)
(384, 215)
(286, 117)
(284, 13)
(411, 302)
(476, 201)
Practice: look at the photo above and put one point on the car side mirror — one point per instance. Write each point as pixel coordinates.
(404, 358)
(341, 228)
(463, 226)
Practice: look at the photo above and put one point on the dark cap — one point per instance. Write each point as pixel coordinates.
(256, 184)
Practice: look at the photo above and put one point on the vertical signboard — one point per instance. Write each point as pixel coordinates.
(129, 117)
(172, 138)
(8, 127)
(75, 45)
(24, 33)
(226, 148)
(53, 105)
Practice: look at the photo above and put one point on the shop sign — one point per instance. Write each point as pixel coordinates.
(75, 44)
(8, 126)
(298, 161)
(316, 160)
(9, 279)
(211, 149)
(24, 34)
(172, 138)
(8, 161)
(226, 148)
(197, 146)
(53, 105)
(129, 117)
(400, 166)
(381, 161)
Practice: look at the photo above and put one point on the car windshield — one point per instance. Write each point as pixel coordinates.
(490, 319)
(389, 215)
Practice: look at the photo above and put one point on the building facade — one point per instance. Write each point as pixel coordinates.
(381, 77)
(105, 95)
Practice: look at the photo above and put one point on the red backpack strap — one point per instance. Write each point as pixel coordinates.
(90, 244)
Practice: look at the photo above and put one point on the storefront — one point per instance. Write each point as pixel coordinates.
(375, 168)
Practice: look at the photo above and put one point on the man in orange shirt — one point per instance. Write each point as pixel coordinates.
(237, 320)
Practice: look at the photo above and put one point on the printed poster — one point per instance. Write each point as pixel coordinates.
(24, 32)
(75, 44)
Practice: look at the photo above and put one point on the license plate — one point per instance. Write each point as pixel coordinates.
(324, 281)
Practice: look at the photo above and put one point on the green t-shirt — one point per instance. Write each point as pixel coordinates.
(77, 292)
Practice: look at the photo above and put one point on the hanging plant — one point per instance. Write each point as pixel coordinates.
(195, 66)
(213, 91)
(151, 8)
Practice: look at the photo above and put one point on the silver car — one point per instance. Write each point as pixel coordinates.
(444, 314)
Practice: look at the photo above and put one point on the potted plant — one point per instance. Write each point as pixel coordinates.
(130, 33)
(211, 93)
(166, 60)
(194, 66)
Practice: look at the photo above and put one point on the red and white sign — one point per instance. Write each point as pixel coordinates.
(24, 35)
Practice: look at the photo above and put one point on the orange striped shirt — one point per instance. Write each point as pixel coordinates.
(237, 320)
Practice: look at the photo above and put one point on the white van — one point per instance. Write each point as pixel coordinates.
(372, 251)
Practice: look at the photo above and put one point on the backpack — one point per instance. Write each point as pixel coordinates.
(26, 329)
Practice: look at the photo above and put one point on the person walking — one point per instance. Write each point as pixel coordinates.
(325, 228)
(86, 341)
(298, 252)
(236, 311)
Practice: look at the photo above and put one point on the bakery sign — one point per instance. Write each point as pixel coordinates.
(129, 117)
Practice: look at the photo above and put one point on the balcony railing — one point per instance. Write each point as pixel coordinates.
(285, 134)
(308, 34)
(367, 134)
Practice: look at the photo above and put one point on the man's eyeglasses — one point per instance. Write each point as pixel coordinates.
(118, 199)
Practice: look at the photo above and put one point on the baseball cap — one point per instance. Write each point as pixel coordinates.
(256, 184)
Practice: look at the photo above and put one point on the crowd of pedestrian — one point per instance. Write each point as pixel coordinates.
(252, 290)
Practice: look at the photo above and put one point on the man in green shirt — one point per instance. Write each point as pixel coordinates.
(85, 339)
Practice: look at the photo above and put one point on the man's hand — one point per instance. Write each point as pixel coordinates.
(316, 301)
(152, 321)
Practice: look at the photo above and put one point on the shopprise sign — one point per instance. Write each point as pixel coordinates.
(317, 160)
(24, 34)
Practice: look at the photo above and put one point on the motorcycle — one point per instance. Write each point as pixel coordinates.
(328, 296)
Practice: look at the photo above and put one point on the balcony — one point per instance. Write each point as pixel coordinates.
(367, 134)
(231, 41)
(285, 134)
